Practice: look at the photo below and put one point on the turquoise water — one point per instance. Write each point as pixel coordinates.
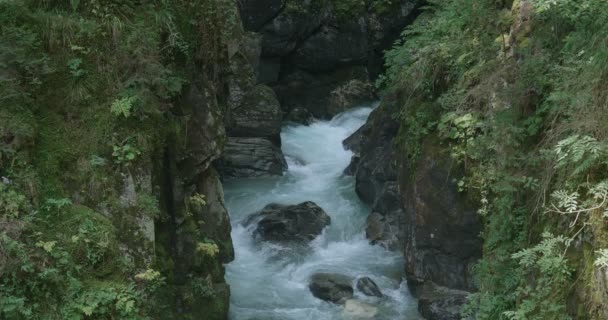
(270, 282)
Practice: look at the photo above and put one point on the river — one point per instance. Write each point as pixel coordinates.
(269, 282)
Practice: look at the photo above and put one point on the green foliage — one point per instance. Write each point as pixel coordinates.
(461, 130)
(123, 107)
(208, 249)
(544, 296)
(12, 203)
(579, 155)
(602, 259)
(86, 88)
(125, 153)
(518, 98)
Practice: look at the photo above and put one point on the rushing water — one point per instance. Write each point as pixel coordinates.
(271, 283)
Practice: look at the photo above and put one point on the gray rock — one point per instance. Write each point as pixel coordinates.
(330, 47)
(214, 214)
(259, 115)
(349, 94)
(313, 92)
(386, 224)
(251, 47)
(205, 127)
(368, 287)
(256, 13)
(268, 70)
(374, 167)
(439, 303)
(299, 115)
(290, 223)
(443, 241)
(332, 287)
(251, 157)
(281, 35)
(421, 213)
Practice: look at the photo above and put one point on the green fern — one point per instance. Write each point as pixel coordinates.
(123, 107)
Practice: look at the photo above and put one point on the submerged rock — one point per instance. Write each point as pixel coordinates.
(439, 303)
(287, 223)
(368, 287)
(359, 310)
(331, 287)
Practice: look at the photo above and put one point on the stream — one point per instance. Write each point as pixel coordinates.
(269, 282)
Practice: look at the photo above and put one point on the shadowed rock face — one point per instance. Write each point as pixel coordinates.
(253, 121)
(374, 167)
(251, 157)
(259, 115)
(295, 223)
(443, 239)
(307, 47)
(419, 212)
(331, 287)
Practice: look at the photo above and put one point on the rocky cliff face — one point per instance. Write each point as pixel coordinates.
(375, 168)
(443, 229)
(416, 208)
(318, 56)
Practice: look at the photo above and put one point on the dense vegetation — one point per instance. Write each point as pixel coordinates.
(516, 92)
(86, 90)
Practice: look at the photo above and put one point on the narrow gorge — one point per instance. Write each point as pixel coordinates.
(303, 160)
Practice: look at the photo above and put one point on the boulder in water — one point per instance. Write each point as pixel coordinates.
(359, 310)
(331, 287)
(251, 157)
(288, 223)
(368, 287)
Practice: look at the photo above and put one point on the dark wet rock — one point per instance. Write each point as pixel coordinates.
(290, 223)
(268, 70)
(330, 47)
(349, 94)
(377, 164)
(294, 23)
(206, 132)
(259, 115)
(443, 240)
(331, 287)
(251, 157)
(252, 48)
(308, 46)
(439, 303)
(256, 13)
(368, 287)
(217, 222)
(299, 115)
(421, 213)
(375, 170)
(314, 92)
(386, 224)
(253, 123)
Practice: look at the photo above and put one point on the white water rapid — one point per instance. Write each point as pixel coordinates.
(267, 284)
